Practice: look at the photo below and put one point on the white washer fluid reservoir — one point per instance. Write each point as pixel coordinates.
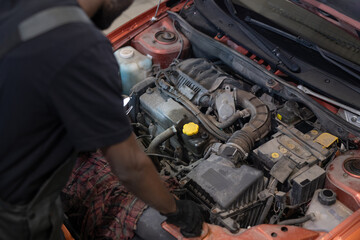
(134, 67)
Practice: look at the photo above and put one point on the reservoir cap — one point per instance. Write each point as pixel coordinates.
(327, 197)
(190, 129)
(126, 53)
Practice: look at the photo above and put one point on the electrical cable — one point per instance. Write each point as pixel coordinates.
(163, 156)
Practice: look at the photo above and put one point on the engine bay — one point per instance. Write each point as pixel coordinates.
(248, 152)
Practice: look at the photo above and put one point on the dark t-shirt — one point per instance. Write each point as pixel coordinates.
(59, 92)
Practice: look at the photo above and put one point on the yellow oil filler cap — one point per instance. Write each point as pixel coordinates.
(190, 129)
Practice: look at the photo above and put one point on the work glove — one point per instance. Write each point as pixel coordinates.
(188, 217)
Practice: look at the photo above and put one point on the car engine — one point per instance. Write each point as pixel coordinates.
(246, 154)
(199, 125)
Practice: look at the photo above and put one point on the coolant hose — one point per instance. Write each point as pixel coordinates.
(159, 139)
(297, 220)
(155, 143)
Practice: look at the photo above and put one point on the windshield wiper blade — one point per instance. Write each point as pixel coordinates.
(328, 56)
(265, 45)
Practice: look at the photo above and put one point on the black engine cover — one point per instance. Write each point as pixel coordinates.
(227, 185)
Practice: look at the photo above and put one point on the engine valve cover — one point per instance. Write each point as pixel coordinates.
(165, 111)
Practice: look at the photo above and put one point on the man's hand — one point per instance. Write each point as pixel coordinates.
(188, 217)
(137, 172)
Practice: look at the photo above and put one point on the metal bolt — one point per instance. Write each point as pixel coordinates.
(204, 135)
(214, 210)
(271, 81)
(183, 182)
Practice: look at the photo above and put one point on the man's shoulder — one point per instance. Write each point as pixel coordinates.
(75, 38)
(61, 44)
(53, 51)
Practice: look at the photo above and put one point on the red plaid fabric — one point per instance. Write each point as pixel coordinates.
(96, 202)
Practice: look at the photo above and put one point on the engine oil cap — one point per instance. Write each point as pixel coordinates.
(190, 129)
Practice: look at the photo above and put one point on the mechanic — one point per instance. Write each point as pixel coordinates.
(60, 93)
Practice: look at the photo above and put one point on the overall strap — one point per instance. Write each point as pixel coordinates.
(41, 219)
(44, 212)
(40, 23)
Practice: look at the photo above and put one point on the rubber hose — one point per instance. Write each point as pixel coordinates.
(211, 128)
(297, 220)
(162, 137)
(266, 210)
(258, 126)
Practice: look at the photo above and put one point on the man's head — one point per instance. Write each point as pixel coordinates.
(104, 12)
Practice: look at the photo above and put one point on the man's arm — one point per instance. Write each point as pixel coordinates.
(137, 172)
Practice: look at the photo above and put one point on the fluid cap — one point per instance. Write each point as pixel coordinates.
(190, 129)
(327, 197)
(126, 53)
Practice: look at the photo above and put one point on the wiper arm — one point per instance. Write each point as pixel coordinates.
(330, 57)
(265, 45)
